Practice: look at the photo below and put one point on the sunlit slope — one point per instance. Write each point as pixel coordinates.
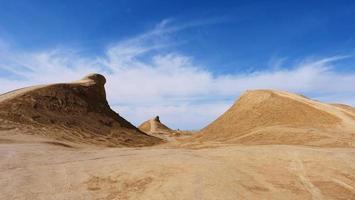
(275, 117)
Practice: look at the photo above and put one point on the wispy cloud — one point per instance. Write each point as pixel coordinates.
(147, 78)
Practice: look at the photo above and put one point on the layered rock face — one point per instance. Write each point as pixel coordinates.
(76, 112)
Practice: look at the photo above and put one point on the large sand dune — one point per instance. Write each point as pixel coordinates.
(275, 117)
(77, 112)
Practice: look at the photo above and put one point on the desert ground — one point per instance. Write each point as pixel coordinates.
(64, 142)
(32, 170)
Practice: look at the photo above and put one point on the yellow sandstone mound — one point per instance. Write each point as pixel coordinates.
(154, 125)
(156, 128)
(77, 112)
(275, 117)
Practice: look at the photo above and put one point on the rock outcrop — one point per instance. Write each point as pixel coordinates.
(76, 112)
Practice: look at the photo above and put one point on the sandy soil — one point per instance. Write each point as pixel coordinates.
(32, 170)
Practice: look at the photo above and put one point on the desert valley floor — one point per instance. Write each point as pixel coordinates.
(62, 141)
(47, 171)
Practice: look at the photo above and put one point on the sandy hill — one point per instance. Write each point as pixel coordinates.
(275, 117)
(76, 112)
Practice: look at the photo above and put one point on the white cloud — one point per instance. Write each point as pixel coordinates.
(146, 79)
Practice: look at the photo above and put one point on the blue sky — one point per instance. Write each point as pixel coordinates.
(186, 61)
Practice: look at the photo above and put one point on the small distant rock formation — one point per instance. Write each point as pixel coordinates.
(156, 128)
(77, 112)
(276, 117)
